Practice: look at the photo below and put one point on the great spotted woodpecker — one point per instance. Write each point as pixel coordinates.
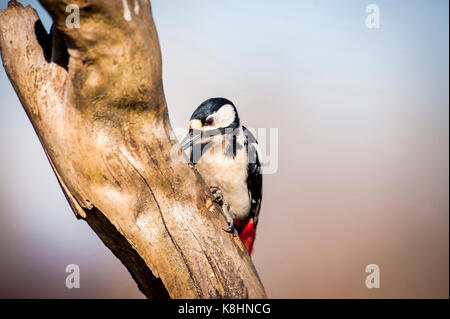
(225, 154)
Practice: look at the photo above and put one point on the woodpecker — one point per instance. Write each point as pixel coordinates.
(225, 154)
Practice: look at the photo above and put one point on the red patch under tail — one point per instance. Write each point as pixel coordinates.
(246, 230)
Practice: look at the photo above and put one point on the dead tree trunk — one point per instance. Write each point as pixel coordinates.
(95, 98)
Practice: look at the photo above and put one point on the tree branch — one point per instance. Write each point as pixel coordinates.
(95, 98)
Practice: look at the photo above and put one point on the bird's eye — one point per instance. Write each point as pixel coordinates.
(209, 121)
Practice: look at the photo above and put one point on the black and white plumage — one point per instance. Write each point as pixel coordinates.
(226, 155)
(254, 180)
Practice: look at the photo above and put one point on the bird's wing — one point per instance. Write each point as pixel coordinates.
(254, 178)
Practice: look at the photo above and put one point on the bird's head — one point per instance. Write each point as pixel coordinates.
(213, 118)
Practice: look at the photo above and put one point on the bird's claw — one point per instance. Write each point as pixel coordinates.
(218, 198)
(230, 221)
(217, 195)
(230, 228)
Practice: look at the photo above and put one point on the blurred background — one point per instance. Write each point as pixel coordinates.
(363, 149)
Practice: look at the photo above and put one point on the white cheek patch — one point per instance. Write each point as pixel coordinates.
(224, 116)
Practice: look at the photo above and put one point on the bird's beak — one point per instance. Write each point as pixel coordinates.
(189, 140)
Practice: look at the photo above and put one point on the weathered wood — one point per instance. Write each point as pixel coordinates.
(101, 116)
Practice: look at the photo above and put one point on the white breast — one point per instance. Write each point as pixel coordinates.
(228, 173)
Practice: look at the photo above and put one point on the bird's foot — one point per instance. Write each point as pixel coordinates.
(217, 195)
(218, 198)
(229, 218)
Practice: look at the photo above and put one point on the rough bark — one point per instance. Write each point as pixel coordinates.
(94, 95)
